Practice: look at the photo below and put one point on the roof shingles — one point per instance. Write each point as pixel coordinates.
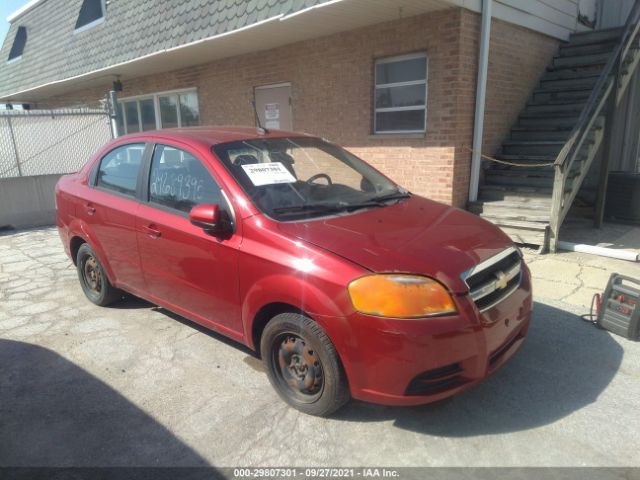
(132, 29)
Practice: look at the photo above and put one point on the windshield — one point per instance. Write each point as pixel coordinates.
(301, 177)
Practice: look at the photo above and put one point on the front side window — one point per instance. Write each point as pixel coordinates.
(303, 177)
(401, 94)
(91, 13)
(180, 181)
(119, 169)
(19, 43)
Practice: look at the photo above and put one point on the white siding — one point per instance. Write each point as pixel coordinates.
(613, 13)
(557, 18)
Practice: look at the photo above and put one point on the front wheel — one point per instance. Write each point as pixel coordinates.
(94, 281)
(303, 365)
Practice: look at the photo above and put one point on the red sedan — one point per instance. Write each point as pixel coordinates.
(344, 283)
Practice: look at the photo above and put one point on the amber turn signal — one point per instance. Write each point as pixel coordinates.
(400, 296)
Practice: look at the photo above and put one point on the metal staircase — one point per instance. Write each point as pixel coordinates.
(558, 135)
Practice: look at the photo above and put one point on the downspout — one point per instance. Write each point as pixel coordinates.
(481, 94)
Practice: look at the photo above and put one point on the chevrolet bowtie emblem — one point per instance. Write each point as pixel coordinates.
(501, 280)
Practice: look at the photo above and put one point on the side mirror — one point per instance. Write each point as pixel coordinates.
(206, 216)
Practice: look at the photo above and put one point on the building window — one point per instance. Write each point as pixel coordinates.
(400, 96)
(161, 110)
(19, 42)
(91, 14)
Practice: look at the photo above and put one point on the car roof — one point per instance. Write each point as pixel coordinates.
(211, 135)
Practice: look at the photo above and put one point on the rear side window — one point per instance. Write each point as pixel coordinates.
(180, 181)
(119, 169)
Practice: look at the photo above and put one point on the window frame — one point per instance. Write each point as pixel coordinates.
(10, 59)
(156, 106)
(425, 82)
(94, 23)
(145, 194)
(137, 194)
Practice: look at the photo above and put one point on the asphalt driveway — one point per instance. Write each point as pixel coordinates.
(134, 385)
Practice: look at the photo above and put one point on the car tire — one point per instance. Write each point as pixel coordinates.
(93, 279)
(303, 365)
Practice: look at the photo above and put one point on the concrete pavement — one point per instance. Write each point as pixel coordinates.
(574, 278)
(134, 385)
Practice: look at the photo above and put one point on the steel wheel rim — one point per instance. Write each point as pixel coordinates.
(92, 275)
(297, 367)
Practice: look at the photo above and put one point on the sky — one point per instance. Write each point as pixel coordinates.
(7, 7)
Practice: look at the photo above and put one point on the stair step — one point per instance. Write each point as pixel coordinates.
(533, 142)
(532, 135)
(518, 224)
(554, 108)
(563, 84)
(538, 195)
(508, 205)
(525, 236)
(596, 36)
(523, 181)
(574, 61)
(569, 49)
(526, 158)
(566, 86)
(541, 95)
(560, 124)
(522, 171)
(568, 74)
(555, 121)
(536, 147)
(518, 215)
(544, 135)
(556, 101)
(529, 149)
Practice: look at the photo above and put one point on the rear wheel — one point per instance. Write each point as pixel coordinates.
(303, 365)
(94, 281)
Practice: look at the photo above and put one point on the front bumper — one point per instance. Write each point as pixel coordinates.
(412, 362)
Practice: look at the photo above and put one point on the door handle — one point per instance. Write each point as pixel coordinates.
(152, 231)
(90, 208)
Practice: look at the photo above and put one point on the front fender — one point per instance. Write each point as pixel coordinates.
(318, 301)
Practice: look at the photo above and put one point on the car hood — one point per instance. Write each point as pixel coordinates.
(415, 235)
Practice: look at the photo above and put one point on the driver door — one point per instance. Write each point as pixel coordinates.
(185, 268)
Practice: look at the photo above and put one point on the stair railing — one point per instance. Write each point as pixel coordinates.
(606, 91)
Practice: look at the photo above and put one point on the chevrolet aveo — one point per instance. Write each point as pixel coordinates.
(343, 282)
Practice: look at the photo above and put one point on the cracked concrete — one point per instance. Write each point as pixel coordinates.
(134, 385)
(574, 278)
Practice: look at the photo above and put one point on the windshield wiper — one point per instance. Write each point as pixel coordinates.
(397, 195)
(327, 207)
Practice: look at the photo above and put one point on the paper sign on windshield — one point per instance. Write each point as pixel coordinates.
(268, 173)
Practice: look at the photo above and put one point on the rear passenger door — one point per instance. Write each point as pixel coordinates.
(187, 269)
(109, 209)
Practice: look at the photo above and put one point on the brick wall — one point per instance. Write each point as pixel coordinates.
(517, 61)
(332, 92)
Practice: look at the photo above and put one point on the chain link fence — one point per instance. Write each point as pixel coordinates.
(41, 142)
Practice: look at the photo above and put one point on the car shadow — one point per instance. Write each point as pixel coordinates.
(55, 414)
(564, 364)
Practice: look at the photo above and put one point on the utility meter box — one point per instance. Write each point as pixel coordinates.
(620, 307)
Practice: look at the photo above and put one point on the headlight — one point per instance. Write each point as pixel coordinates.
(400, 296)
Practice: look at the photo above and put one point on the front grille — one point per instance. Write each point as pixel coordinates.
(493, 280)
(436, 380)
